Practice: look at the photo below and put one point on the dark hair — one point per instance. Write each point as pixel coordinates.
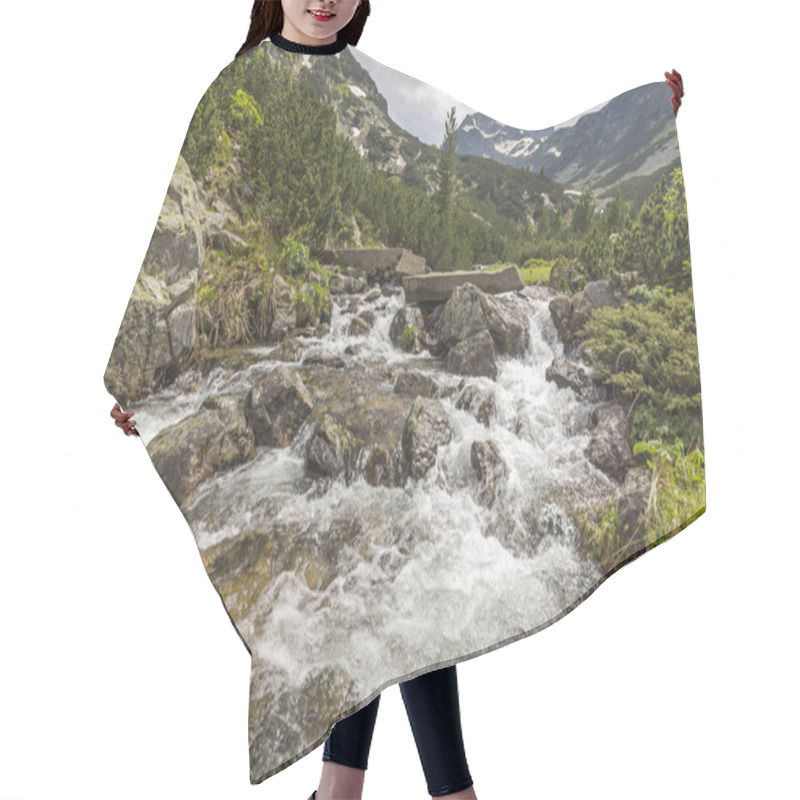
(266, 18)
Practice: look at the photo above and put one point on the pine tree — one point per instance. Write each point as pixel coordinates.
(583, 213)
(447, 165)
(617, 214)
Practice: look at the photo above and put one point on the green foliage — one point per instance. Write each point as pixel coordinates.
(544, 224)
(647, 351)
(277, 135)
(227, 297)
(617, 215)
(301, 299)
(206, 141)
(448, 165)
(407, 338)
(535, 270)
(377, 145)
(300, 191)
(655, 241)
(206, 292)
(566, 275)
(602, 539)
(583, 213)
(322, 296)
(641, 293)
(294, 257)
(657, 244)
(593, 254)
(243, 113)
(678, 489)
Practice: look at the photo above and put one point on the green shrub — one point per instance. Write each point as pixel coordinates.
(647, 352)
(407, 338)
(602, 539)
(678, 489)
(294, 259)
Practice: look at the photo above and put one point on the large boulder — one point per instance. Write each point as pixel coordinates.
(157, 332)
(412, 317)
(214, 439)
(600, 293)
(277, 407)
(426, 427)
(609, 448)
(331, 449)
(412, 383)
(470, 310)
(438, 286)
(475, 355)
(571, 313)
(565, 373)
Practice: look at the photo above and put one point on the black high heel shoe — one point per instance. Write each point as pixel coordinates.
(313, 795)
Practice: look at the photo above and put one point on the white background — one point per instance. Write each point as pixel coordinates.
(120, 673)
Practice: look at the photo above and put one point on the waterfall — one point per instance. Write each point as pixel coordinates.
(425, 556)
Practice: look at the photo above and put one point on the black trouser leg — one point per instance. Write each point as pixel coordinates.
(351, 737)
(432, 706)
(433, 711)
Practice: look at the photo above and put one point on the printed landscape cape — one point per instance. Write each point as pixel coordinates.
(418, 381)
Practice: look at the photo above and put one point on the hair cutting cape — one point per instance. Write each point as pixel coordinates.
(418, 381)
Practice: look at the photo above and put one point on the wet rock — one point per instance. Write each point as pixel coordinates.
(411, 316)
(290, 349)
(426, 427)
(277, 407)
(362, 324)
(482, 405)
(560, 310)
(474, 355)
(609, 448)
(323, 358)
(325, 693)
(379, 469)
(569, 316)
(469, 310)
(492, 471)
(413, 383)
(241, 567)
(565, 373)
(331, 448)
(213, 439)
(346, 284)
(372, 294)
(353, 349)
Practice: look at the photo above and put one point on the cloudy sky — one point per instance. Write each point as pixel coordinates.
(419, 107)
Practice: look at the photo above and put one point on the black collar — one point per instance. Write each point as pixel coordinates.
(311, 49)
